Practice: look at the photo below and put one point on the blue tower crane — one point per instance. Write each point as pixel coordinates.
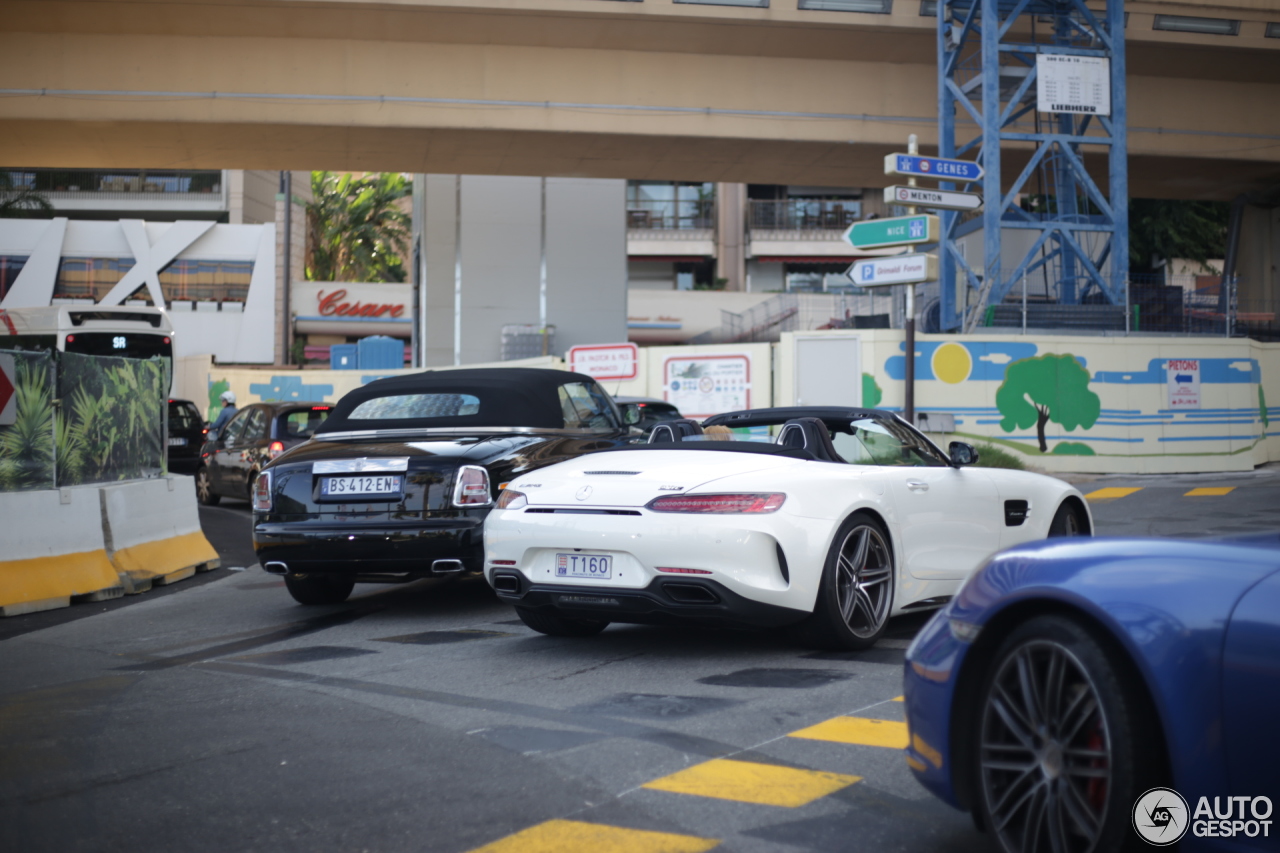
(995, 60)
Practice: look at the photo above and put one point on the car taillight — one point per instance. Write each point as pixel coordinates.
(511, 499)
(262, 492)
(472, 488)
(276, 448)
(735, 503)
(204, 431)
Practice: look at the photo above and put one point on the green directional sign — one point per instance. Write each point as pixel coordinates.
(900, 231)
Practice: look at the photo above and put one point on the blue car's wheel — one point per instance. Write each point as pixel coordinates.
(1061, 758)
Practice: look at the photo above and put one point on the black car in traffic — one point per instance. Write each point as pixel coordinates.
(230, 461)
(186, 436)
(396, 484)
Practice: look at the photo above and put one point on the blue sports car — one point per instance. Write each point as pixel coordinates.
(1082, 695)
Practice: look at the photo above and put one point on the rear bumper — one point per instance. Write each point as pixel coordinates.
(673, 600)
(372, 549)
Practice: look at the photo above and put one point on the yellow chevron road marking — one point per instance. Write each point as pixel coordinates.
(859, 730)
(1209, 491)
(1112, 492)
(571, 836)
(751, 782)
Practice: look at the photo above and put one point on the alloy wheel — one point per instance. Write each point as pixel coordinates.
(1046, 752)
(864, 579)
(202, 485)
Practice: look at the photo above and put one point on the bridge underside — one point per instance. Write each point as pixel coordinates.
(169, 145)
(570, 88)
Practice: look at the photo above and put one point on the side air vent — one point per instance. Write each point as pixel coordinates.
(1015, 512)
(782, 563)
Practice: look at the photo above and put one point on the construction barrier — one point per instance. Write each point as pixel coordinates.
(52, 550)
(151, 529)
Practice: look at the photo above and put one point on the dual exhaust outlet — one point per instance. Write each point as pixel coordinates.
(438, 567)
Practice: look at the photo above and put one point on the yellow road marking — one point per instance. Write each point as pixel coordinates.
(1112, 492)
(571, 836)
(859, 730)
(750, 782)
(899, 699)
(1209, 491)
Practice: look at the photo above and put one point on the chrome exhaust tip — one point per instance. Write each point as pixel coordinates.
(275, 568)
(446, 567)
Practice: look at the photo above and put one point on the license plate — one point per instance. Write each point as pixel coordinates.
(599, 566)
(368, 485)
(177, 442)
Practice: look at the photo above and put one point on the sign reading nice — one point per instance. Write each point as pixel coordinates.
(1047, 388)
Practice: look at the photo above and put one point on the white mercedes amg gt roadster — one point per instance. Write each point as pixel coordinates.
(829, 521)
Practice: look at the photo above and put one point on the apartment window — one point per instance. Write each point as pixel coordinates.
(1208, 26)
(874, 7)
(928, 8)
(670, 205)
(759, 4)
(1273, 31)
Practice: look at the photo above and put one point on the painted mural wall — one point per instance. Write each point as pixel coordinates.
(1095, 404)
(1061, 403)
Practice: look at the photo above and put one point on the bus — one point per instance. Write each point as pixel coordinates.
(128, 331)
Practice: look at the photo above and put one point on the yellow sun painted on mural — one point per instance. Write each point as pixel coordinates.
(952, 363)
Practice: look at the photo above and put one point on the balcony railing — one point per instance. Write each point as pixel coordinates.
(671, 216)
(803, 214)
(119, 184)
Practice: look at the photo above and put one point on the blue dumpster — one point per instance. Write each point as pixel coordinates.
(381, 352)
(344, 357)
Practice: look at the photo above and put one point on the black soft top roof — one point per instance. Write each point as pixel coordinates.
(509, 397)
(836, 418)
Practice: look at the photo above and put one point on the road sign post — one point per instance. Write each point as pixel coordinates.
(899, 269)
(925, 197)
(937, 168)
(899, 231)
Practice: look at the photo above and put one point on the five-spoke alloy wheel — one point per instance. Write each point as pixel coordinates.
(856, 592)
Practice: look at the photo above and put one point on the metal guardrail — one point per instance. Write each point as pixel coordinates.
(671, 215)
(798, 214)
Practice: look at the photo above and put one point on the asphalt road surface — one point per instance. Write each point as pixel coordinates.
(218, 715)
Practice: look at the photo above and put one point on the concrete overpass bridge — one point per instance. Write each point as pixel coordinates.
(667, 89)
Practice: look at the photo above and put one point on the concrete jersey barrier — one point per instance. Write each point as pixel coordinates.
(151, 529)
(53, 550)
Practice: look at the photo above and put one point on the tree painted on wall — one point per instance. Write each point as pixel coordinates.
(871, 393)
(1047, 388)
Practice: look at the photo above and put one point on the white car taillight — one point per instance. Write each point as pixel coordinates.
(472, 488)
(262, 492)
(511, 499)
(733, 503)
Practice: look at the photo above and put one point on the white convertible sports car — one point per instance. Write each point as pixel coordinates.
(842, 519)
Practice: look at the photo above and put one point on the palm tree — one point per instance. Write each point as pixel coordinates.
(19, 200)
(356, 229)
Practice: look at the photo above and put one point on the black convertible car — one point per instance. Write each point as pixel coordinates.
(396, 483)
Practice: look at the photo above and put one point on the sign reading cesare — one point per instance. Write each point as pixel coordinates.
(335, 304)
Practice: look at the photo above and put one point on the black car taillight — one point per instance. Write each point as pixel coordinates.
(262, 492)
(472, 488)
